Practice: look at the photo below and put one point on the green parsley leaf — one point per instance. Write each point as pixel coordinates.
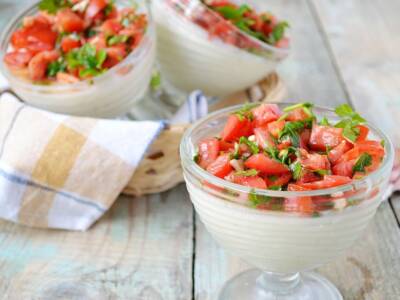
(56, 66)
(258, 199)
(245, 112)
(273, 153)
(285, 153)
(363, 161)
(109, 7)
(196, 158)
(298, 105)
(350, 132)
(383, 143)
(275, 188)
(155, 82)
(253, 146)
(52, 6)
(323, 172)
(117, 39)
(278, 32)
(231, 13)
(101, 57)
(324, 122)
(88, 59)
(345, 111)
(247, 173)
(296, 169)
(291, 131)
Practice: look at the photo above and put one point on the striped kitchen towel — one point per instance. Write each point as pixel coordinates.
(58, 171)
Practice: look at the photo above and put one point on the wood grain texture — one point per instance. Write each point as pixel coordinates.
(142, 249)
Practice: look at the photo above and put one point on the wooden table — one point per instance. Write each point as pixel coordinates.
(157, 248)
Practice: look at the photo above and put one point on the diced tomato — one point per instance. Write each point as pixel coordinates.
(225, 146)
(325, 136)
(280, 180)
(38, 65)
(375, 164)
(292, 187)
(373, 148)
(221, 166)
(35, 38)
(305, 138)
(276, 127)
(303, 204)
(284, 144)
(364, 131)
(266, 165)
(250, 181)
(18, 59)
(208, 151)
(336, 153)
(67, 44)
(352, 154)
(94, 7)
(344, 168)
(266, 113)
(111, 27)
(68, 21)
(297, 114)
(114, 56)
(99, 41)
(314, 161)
(236, 128)
(308, 176)
(66, 78)
(263, 137)
(328, 182)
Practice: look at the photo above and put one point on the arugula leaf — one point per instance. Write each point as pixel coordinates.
(253, 146)
(258, 199)
(247, 173)
(291, 131)
(52, 6)
(363, 161)
(296, 169)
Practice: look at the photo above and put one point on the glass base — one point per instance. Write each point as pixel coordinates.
(257, 285)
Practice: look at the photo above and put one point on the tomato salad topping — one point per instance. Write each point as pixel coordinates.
(233, 23)
(71, 40)
(291, 150)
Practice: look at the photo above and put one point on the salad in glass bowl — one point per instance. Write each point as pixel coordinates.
(81, 57)
(217, 46)
(287, 188)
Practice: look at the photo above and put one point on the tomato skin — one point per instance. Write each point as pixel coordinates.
(66, 78)
(67, 44)
(266, 165)
(266, 113)
(236, 128)
(275, 127)
(308, 176)
(263, 137)
(336, 153)
(112, 26)
(364, 131)
(327, 182)
(297, 114)
(208, 151)
(225, 146)
(99, 41)
(314, 161)
(94, 7)
(18, 59)
(221, 166)
(344, 168)
(250, 181)
(38, 65)
(114, 56)
(35, 38)
(305, 138)
(68, 21)
(325, 136)
(373, 148)
(281, 180)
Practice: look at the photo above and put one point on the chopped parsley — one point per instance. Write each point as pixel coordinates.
(56, 66)
(52, 6)
(324, 122)
(350, 120)
(362, 162)
(291, 131)
(256, 200)
(245, 112)
(253, 146)
(117, 39)
(155, 82)
(88, 58)
(296, 169)
(247, 173)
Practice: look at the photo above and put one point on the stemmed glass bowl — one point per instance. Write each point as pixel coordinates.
(282, 243)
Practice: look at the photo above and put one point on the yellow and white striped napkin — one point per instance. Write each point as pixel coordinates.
(59, 171)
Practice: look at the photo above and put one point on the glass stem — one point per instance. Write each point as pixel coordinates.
(279, 284)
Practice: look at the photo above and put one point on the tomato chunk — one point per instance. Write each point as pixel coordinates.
(266, 165)
(328, 182)
(236, 128)
(38, 65)
(336, 153)
(297, 114)
(314, 161)
(276, 181)
(18, 59)
(68, 21)
(250, 181)
(208, 151)
(94, 7)
(325, 136)
(364, 131)
(266, 113)
(263, 137)
(276, 127)
(67, 44)
(221, 166)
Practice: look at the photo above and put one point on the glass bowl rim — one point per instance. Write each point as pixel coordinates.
(266, 46)
(137, 52)
(195, 169)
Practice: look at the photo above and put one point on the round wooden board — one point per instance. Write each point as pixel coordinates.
(161, 170)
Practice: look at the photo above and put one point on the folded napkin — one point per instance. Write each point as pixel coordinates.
(59, 171)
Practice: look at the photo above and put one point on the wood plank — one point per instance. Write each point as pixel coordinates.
(142, 249)
(365, 42)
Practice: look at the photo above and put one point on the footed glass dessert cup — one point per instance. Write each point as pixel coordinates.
(283, 244)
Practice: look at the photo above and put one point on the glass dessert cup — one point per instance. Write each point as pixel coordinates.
(283, 244)
(109, 95)
(194, 60)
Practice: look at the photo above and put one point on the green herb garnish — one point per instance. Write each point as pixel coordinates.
(88, 58)
(155, 82)
(291, 131)
(196, 158)
(245, 112)
(278, 32)
(363, 161)
(324, 122)
(322, 172)
(52, 6)
(296, 169)
(253, 146)
(247, 173)
(349, 122)
(258, 199)
(56, 66)
(117, 39)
